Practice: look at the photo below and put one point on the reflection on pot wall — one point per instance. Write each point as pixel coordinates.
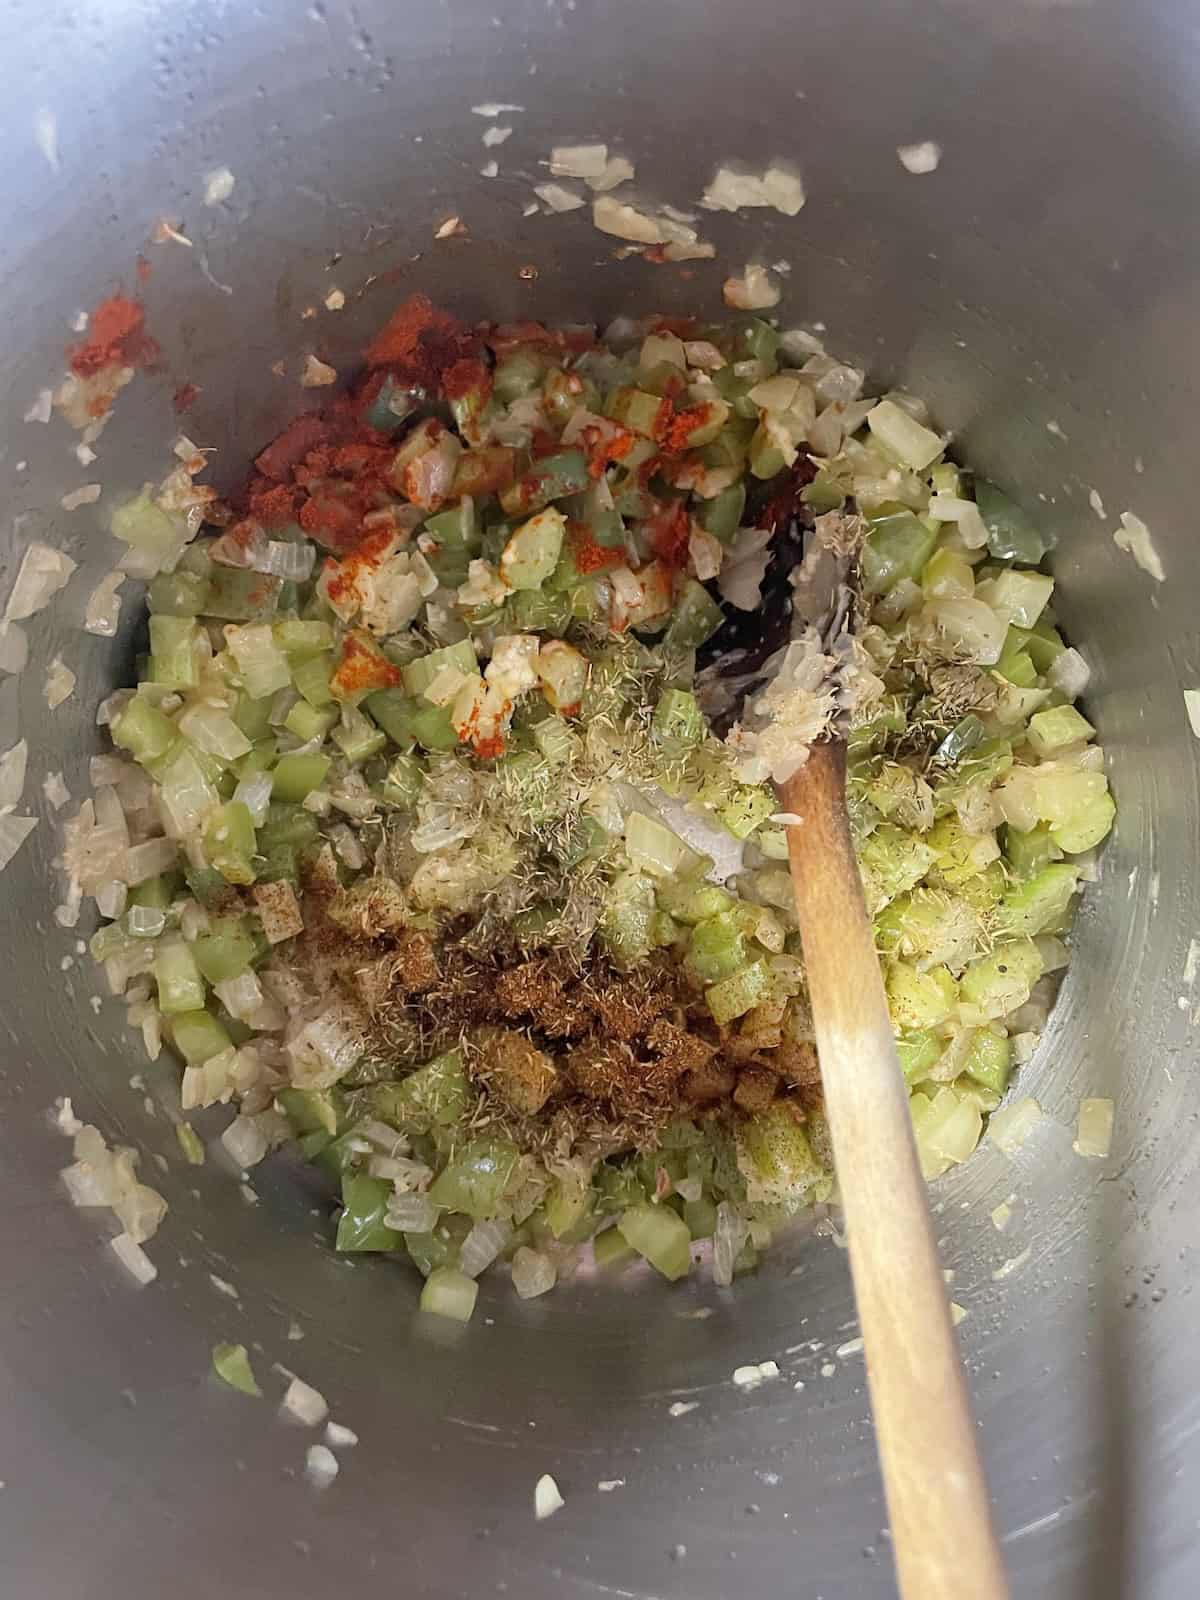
(1043, 274)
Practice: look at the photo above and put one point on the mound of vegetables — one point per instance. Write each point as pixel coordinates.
(428, 687)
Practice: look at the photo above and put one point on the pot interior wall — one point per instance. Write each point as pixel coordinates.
(1045, 274)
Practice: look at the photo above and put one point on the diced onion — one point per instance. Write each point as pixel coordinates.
(104, 606)
(218, 186)
(482, 1245)
(578, 160)
(321, 1465)
(556, 198)
(1012, 1124)
(306, 1404)
(1093, 1137)
(245, 1141)
(1070, 674)
(751, 1375)
(43, 572)
(134, 1259)
(638, 227)
(495, 136)
(533, 1273)
(290, 559)
(13, 833)
(317, 374)
(970, 624)
(339, 1436)
(755, 290)
(1134, 536)
(254, 793)
(546, 1498)
(729, 1236)
(214, 731)
(920, 158)
(14, 648)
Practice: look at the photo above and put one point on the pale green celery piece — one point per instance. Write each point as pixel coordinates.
(229, 844)
(180, 986)
(652, 847)
(301, 641)
(736, 995)
(307, 722)
(144, 731)
(693, 902)
(916, 999)
(898, 546)
(432, 1099)
(1040, 903)
(357, 737)
(960, 855)
(766, 458)
(903, 437)
(902, 796)
(474, 1181)
(419, 674)
(989, 1060)
(946, 1128)
(929, 927)
(232, 1365)
(555, 740)
(718, 948)
(745, 808)
(627, 918)
(1011, 535)
(567, 1204)
(1018, 596)
(948, 576)
(776, 1158)
(892, 861)
(678, 717)
(1002, 981)
(1087, 826)
(611, 1249)
(1055, 729)
(944, 479)
(773, 843)
(296, 776)
(311, 679)
(1029, 851)
(918, 1051)
(449, 1293)
(660, 1236)
(532, 552)
(174, 662)
(198, 1036)
(190, 1143)
(761, 924)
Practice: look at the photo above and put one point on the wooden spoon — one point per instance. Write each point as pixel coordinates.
(943, 1539)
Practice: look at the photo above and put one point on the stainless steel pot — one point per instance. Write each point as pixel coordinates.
(1042, 283)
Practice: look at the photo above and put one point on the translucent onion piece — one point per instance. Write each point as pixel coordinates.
(13, 833)
(290, 559)
(578, 160)
(59, 684)
(532, 1273)
(43, 572)
(546, 1498)
(14, 648)
(1094, 1134)
(320, 1465)
(556, 198)
(1012, 1124)
(134, 1259)
(1134, 536)
(411, 1213)
(245, 1141)
(920, 158)
(104, 606)
(755, 290)
(254, 793)
(482, 1245)
(306, 1404)
(12, 775)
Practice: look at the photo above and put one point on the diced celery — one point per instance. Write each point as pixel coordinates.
(1087, 826)
(960, 855)
(432, 1098)
(637, 410)
(989, 1059)
(717, 948)
(306, 722)
(253, 717)
(554, 740)
(1045, 644)
(361, 1225)
(913, 445)
(1028, 852)
(946, 575)
(287, 824)
(919, 1000)
(475, 1179)
(568, 1203)
(419, 674)
(610, 1248)
(532, 551)
(918, 1051)
(1011, 535)
(232, 1365)
(143, 730)
(929, 927)
(519, 372)
(1057, 727)
(226, 951)
(174, 662)
(449, 1293)
(776, 1157)
(1019, 597)
(678, 718)
(1002, 981)
(298, 775)
(229, 842)
(892, 861)
(1040, 904)
(660, 1237)
(237, 595)
(652, 847)
(740, 993)
(722, 514)
(1015, 663)
(312, 1110)
(300, 640)
(693, 902)
(311, 678)
(357, 737)
(626, 921)
(550, 478)
(198, 1036)
(394, 403)
(898, 546)
(696, 617)
(180, 986)
(178, 594)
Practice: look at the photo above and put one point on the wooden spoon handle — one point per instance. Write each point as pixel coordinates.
(942, 1535)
